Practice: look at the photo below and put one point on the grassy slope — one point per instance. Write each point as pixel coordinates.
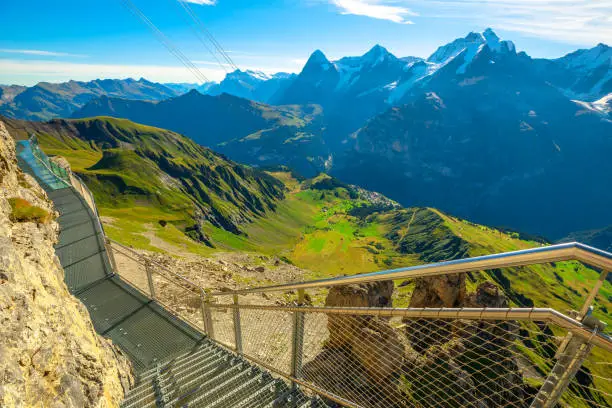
(142, 175)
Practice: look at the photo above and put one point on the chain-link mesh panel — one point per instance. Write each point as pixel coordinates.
(131, 269)
(178, 297)
(223, 321)
(373, 361)
(267, 335)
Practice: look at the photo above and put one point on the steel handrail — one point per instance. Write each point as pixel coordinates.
(572, 251)
(468, 313)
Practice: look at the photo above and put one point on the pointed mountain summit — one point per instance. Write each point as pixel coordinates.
(377, 54)
(313, 83)
(317, 62)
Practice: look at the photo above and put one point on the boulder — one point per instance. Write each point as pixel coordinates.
(439, 291)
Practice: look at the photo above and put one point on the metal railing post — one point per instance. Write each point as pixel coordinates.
(569, 360)
(206, 315)
(150, 280)
(297, 351)
(237, 329)
(586, 307)
(111, 255)
(593, 294)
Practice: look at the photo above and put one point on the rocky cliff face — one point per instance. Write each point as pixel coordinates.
(50, 355)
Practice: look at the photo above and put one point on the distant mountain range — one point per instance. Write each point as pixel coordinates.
(476, 129)
(377, 80)
(254, 85)
(245, 130)
(49, 100)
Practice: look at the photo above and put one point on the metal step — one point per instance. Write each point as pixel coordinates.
(201, 372)
(183, 360)
(217, 382)
(257, 380)
(213, 374)
(262, 397)
(188, 376)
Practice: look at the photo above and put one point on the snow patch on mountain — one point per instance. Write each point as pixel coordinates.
(416, 72)
(468, 57)
(588, 59)
(603, 105)
(350, 67)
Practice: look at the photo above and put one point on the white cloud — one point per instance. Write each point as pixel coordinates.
(379, 9)
(573, 21)
(39, 53)
(29, 72)
(202, 2)
(582, 22)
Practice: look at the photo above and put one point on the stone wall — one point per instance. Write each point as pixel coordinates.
(50, 355)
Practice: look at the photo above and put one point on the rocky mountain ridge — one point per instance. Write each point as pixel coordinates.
(47, 100)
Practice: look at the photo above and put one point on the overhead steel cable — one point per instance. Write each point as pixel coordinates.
(207, 33)
(195, 27)
(161, 37)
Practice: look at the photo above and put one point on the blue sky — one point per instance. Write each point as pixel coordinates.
(55, 41)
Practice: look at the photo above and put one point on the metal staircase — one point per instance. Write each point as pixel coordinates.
(212, 377)
(194, 348)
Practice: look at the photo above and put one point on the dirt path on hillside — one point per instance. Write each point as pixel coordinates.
(162, 244)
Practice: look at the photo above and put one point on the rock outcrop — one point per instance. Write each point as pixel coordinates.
(50, 355)
(430, 362)
(471, 360)
(363, 354)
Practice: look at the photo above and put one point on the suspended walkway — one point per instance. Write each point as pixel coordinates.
(174, 361)
(195, 348)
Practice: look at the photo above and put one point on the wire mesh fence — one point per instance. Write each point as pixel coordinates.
(370, 360)
(374, 358)
(183, 300)
(272, 345)
(223, 322)
(131, 269)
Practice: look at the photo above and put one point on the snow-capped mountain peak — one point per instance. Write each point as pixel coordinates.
(247, 75)
(376, 55)
(471, 45)
(317, 62)
(588, 58)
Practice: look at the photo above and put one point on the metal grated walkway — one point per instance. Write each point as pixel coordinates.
(175, 363)
(144, 330)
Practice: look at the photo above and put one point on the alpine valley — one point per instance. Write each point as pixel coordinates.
(477, 129)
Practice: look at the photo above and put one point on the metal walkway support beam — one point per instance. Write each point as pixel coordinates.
(150, 281)
(297, 350)
(206, 315)
(237, 328)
